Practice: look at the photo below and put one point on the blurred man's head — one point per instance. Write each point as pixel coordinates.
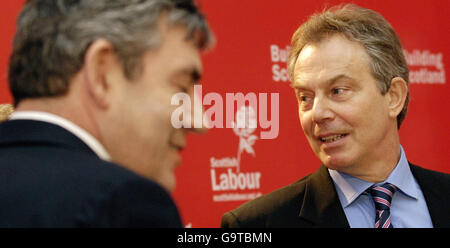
(114, 66)
(350, 78)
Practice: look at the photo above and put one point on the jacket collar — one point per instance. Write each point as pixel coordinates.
(29, 132)
(321, 204)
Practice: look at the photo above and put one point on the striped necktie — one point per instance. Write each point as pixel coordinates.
(382, 197)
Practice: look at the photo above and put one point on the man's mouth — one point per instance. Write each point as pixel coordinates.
(332, 138)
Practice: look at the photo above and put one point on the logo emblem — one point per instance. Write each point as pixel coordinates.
(226, 175)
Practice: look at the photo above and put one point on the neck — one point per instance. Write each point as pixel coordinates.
(382, 160)
(379, 171)
(61, 106)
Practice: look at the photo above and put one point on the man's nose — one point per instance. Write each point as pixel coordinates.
(321, 110)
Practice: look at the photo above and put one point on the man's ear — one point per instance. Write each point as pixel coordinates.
(98, 60)
(397, 96)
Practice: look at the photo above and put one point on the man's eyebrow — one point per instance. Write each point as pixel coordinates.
(192, 72)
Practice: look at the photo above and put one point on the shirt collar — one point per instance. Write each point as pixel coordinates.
(82, 134)
(403, 178)
(349, 188)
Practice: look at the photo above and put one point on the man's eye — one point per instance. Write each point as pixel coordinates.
(337, 91)
(304, 98)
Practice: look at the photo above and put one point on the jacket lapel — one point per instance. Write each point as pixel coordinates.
(321, 206)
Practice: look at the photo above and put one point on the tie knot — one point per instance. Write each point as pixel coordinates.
(382, 195)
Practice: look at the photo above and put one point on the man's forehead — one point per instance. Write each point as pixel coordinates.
(307, 80)
(332, 47)
(306, 53)
(329, 59)
(173, 44)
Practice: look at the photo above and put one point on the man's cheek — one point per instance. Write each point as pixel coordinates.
(306, 126)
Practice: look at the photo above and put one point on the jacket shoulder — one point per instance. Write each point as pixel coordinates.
(61, 187)
(257, 212)
(121, 198)
(434, 186)
(431, 177)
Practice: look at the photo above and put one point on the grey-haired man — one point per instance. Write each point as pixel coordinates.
(90, 143)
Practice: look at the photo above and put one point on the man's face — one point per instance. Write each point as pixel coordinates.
(142, 137)
(342, 112)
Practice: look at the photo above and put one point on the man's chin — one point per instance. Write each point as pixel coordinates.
(168, 182)
(335, 162)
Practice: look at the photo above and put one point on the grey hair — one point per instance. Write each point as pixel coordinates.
(366, 27)
(53, 35)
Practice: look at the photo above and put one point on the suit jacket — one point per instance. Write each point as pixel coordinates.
(313, 202)
(50, 178)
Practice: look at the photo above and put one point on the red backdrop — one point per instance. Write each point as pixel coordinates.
(216, 175)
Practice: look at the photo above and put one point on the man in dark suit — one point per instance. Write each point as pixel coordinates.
(90, 143)
(351, 81)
